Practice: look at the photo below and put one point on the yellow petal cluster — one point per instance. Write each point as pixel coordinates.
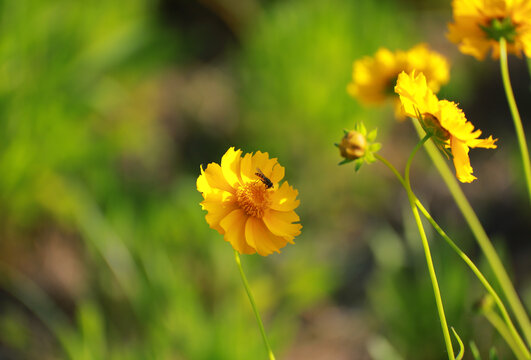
(373, 78)
(247, 205)
(455, 132)
(471, 17)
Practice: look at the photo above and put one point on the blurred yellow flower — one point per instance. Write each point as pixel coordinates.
(479, 24)
(245, 202)
(374, 78)
(448, 124)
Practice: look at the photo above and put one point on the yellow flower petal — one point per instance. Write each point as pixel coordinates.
(373, 78)
(284, 198)
(463, 170)
(259, 237)
(262, 162)
(277, 173)
(415, 94)
(483, 143)
(246, 171)
(218, 204)
(215, 178)
(234, 227)
(202, 183)
(230, 165)
(283, 223)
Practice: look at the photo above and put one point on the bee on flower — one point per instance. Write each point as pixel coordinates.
(374, 78)
(447, 123)
(479, 25)
(246, 203)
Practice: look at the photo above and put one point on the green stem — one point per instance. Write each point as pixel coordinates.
(481, 236)
(515, 114)
(501, 327)
(511, 328)
(426, 246)
(251, 299)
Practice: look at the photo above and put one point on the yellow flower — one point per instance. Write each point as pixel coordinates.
(479, 25)
(245, 202)
(373, 78)
(448, 124)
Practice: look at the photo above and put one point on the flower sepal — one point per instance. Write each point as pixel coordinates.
(439, 135)
(498, 29)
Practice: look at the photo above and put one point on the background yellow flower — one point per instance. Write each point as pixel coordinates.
(373, 78)
(246, 204)
(478, 25)
(447, 122)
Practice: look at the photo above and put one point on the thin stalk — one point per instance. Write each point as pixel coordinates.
(501, 327)
(481, 236)
(253, 305)
(520, 134)
(510, 326)
(429, 260)
(505, 315)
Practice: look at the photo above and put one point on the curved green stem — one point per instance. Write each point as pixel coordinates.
(481, 236)
(392, 168)
(522, 349)
(426, 246)
(251, 299)
(515, 336)
(520, 134)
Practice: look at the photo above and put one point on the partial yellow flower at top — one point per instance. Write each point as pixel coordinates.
(245, 202)
(448, 124)
(374, 78)
(479, 25)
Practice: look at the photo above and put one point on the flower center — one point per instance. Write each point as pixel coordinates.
(253, 198)
(500, 28)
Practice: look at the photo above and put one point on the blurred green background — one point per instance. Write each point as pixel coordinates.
(107, 110)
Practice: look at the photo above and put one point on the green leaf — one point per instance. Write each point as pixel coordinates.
(357, 164)
(375, 147)
(419, 115)
(360, 127)
(372, 135)
(369, 158)
(363, 129)
(345, 161)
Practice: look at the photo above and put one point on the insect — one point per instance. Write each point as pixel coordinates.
(264, 178)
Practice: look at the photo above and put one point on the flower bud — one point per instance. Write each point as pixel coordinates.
(353, 145)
